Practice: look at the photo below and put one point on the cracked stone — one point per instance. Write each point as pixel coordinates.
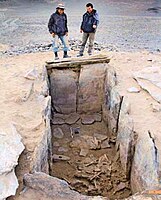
(32, 74)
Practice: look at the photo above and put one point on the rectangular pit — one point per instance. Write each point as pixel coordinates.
(84, 130)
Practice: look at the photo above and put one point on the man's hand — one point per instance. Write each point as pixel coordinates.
(66, 33)
(81, 31)
(53, 34)
(94, 26)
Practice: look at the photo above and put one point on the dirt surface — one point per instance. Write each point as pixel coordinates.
(124, 25)
(93, 167)
(13, 69)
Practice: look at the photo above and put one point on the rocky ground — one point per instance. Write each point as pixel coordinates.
(88, 161)
(13, 70)
(121, 27)
(132, 41)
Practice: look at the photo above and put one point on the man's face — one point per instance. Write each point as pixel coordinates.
(60, 11)
(89, 9)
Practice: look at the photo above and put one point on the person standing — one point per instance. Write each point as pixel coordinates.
(88, 28)
(59, 30)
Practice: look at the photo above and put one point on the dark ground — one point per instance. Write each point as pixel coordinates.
(124, 25)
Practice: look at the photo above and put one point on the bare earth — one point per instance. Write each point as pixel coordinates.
(26, 114)
(124, 26)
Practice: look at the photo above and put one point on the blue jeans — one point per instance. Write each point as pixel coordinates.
(64, 42)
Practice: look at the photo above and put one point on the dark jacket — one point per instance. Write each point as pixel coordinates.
(90, 19)
(58, 24)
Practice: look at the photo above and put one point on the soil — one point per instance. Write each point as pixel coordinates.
(84, 152)
(122, 26)
(97, 173)
(14, 68)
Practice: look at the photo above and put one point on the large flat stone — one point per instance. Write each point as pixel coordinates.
(42, 152)
(126, 137)
(64, 90)
(10, 149)
(54, 188)
(111, 109)
(145, 166)
(91, 88)
(112, 100)
(150, 80)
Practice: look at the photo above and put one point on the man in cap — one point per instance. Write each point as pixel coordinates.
(59, 30)
(88, 28)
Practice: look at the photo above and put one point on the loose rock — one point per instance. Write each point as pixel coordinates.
(32, 74)
(87, 120)
(60, 157)
(83, 152)
(63, 149)
(100, 136)
(56, 144)
(72, 119)
(58, 133)
(121, 186)
(133, 90)
(105, 144)
(156, 107)
(10, 149)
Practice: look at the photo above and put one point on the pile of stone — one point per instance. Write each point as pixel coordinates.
(33, 48)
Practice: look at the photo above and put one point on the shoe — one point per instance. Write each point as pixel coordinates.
(66, 55)
(56, 56)
(79, 55)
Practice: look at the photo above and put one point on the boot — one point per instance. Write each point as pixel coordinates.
(56, 56)
(81, 51)
(80, 55)
(90, 50)
(66, 55)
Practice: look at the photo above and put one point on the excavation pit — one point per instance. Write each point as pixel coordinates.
(84, 145)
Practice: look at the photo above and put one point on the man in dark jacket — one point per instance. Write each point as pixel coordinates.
(58, 29)
(88, 28)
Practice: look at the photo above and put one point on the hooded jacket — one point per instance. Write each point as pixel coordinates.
(90, 19)
(58, 24)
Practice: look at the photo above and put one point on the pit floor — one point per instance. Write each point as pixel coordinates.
(92, 165)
